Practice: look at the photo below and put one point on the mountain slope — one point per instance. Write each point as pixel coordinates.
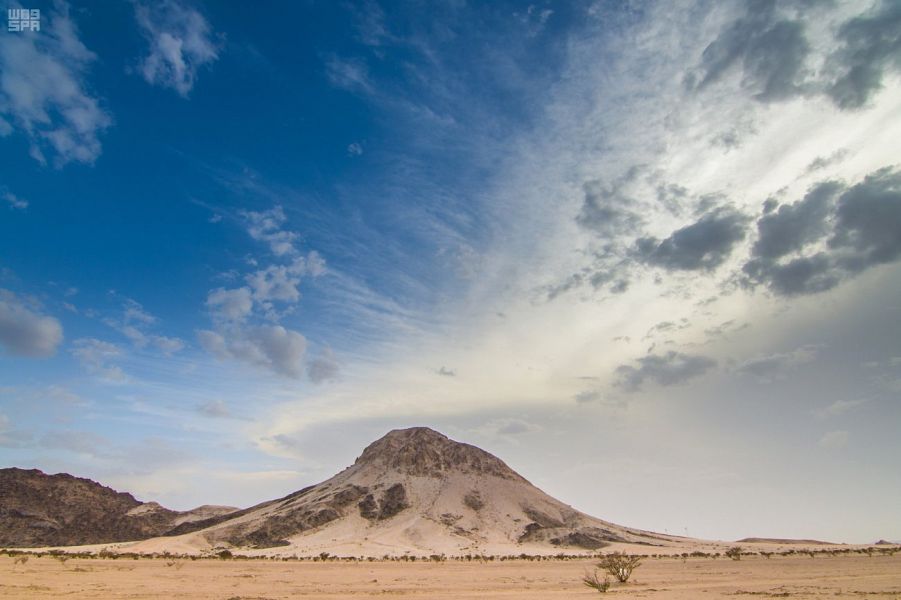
(37, 509)
(415, 491)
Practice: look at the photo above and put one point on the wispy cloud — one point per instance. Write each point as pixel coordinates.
(134, 322)
(834, 440)
(45, 94)
(770, 367)
(98, 358)
(841, 407)
(14, 201)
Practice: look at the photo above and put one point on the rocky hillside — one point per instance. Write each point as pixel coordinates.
(417, 491)
(37, 509)
(412, 491)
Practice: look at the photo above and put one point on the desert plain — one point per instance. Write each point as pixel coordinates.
(796, 576)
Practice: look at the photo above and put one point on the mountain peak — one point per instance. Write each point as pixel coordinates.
(424, 452)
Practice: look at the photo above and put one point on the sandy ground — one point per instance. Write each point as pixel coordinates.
(856, 576)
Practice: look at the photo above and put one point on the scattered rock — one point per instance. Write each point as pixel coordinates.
(473, 500)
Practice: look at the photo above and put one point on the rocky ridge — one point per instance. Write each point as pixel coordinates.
(37, 509)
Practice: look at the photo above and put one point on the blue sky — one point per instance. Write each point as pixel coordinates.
(645, 252)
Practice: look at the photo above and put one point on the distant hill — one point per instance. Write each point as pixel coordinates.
(761, 540)
(37, 509)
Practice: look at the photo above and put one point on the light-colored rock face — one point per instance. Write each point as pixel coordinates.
(415, 491)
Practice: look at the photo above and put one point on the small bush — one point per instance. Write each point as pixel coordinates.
(594, 583)
(620, 565)
(734, 553)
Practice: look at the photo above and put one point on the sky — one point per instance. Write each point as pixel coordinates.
(647, 253)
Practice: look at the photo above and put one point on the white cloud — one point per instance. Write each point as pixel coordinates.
(134, 312)
(276, 282)
(167, 345)
(43, 92)
(266, 226)
(230, 305)
(504, 427)
(271, 293)
(834, 440)
(181, 42)
(840, 407)
(265, 287)
(97, 356)
(25, 332)
(14, 201)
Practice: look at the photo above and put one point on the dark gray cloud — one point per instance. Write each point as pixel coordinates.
(768, 47)
(613, 275)
(324, 367)
(868, 222)
(620, 286)
(792, 226)
(770, 52)
(672, 196)
(871, 46)
(703, 245)
(663, 369)
(865, 232)
(725, 328)
(609, 209)
(25, 332)
(586, 396)
(216, 409)
(821, 162)
(666, 327)
(273, 347)
(799, 276)
(572, 282)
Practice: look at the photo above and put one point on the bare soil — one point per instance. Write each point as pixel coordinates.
(799, 577)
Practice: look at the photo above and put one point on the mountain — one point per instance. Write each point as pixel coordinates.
(37, 509)
(413, 491)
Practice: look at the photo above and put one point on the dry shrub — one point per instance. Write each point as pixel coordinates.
(592, 581)
(620, 565)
